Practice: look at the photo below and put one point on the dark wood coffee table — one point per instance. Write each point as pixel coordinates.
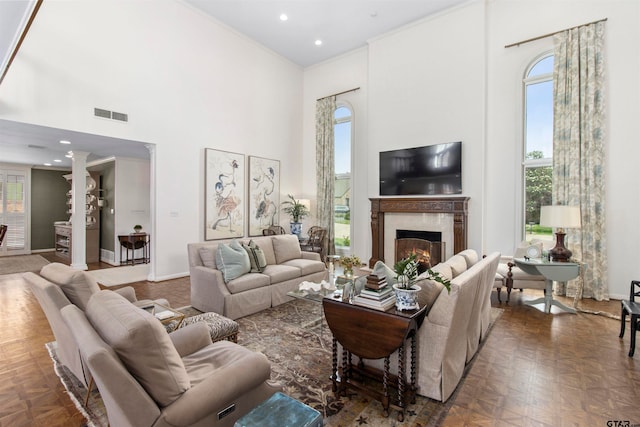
(372, 334)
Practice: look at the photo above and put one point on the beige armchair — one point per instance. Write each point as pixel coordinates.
(147, 377)
(513, 276)
(59, 285)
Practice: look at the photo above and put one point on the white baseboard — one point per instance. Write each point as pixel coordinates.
(169, 277)
(39, 251)
(108, 257)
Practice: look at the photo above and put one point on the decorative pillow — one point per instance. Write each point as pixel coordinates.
(256, 257)
(207, 257)
(77, 286)
(232, 260)
(142, 343)
(533, 250)
(381, 269)
(458, 264)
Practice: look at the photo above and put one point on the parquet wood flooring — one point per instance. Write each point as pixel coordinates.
(533, 370)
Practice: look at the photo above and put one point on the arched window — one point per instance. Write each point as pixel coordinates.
(342, 184)
(537, 162)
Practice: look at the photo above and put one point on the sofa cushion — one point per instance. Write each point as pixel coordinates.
(443, 268)
(142, 344)
(306, 266)
(286, 247)
(232, 260)
(77, 286)
(247, 282)
(281, 273)
(431, 289)
(208, 256)
(265, 243)
(256, 256)
(458, 264)
(470, 255)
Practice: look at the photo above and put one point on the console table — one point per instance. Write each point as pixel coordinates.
(132, 242)
(552, 272)
(372, 334)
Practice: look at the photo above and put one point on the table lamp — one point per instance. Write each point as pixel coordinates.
(560, 217)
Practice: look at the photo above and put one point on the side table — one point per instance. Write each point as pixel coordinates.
(552, 272)
(132, 242)
(373, 334)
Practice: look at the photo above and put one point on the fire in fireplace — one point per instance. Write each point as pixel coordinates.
(426, 245)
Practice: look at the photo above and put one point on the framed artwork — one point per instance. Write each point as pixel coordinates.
(264, 194)
(224, 194)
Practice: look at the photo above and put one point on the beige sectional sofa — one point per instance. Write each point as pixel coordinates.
(455, 324)
(286, 267)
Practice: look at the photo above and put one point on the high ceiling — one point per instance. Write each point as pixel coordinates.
(341, 25)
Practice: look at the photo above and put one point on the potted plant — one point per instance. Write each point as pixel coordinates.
(406, 290)
(137, 228)
(297, 211)
(348, 262)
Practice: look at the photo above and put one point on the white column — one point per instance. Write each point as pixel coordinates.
(152, 211)
(78, 213)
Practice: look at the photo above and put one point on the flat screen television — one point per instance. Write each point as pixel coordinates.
(430, 170)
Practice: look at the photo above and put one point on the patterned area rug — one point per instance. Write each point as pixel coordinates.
(21, 263)
(298, 344)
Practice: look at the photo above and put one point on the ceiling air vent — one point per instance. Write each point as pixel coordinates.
(121, 117)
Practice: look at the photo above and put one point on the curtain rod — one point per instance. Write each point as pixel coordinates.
(32, 16)
(552, 34)
(339, 93)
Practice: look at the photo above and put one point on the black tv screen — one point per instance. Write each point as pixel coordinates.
(430, 170)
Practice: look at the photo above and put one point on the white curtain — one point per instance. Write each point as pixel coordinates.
(579, 149)
(325, 171)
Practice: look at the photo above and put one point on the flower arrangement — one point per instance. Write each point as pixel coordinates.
(349, 261)
(408, 267)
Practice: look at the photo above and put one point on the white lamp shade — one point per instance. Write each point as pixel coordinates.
(306, 203)
(560, 216)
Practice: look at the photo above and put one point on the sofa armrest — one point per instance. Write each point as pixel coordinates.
(128, 292)
(208, 290)
(311, 255)
(191, 338)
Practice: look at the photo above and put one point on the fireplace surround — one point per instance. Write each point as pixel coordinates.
(456, 206)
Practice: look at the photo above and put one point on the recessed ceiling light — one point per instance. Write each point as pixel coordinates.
(57, 160)
(64, 141)
(318, 42)
(283, 17)
(47, 164)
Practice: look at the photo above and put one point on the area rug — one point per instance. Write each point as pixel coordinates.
(21, 263)
(300, 361)
(120, 275)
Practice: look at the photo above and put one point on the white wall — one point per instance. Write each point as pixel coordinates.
(186, 81)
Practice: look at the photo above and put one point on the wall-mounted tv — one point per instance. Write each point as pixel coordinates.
(430, 170)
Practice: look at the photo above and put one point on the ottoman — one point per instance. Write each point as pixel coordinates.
(281, 410)
(220, 327)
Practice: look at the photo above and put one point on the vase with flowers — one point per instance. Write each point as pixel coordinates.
(348, 262)
(405, 288)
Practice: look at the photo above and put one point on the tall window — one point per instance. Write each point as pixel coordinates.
(538, 144)
(342, 186)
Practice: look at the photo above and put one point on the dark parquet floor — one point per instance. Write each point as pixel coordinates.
(533, 370)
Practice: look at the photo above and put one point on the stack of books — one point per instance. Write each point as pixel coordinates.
(377, 294)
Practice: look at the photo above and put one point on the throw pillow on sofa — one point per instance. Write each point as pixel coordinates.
(232, 260)
(256, 257)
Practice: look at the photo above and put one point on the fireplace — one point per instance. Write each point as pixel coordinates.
(427, 246)
(447, 215)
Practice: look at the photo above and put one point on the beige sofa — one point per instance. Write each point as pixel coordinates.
(455, 324)
(287, 267)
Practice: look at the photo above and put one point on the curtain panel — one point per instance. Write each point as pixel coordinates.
(579, 149)
(325, 171)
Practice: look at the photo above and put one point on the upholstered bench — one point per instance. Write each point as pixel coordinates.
(281, 410)
(220, 327)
